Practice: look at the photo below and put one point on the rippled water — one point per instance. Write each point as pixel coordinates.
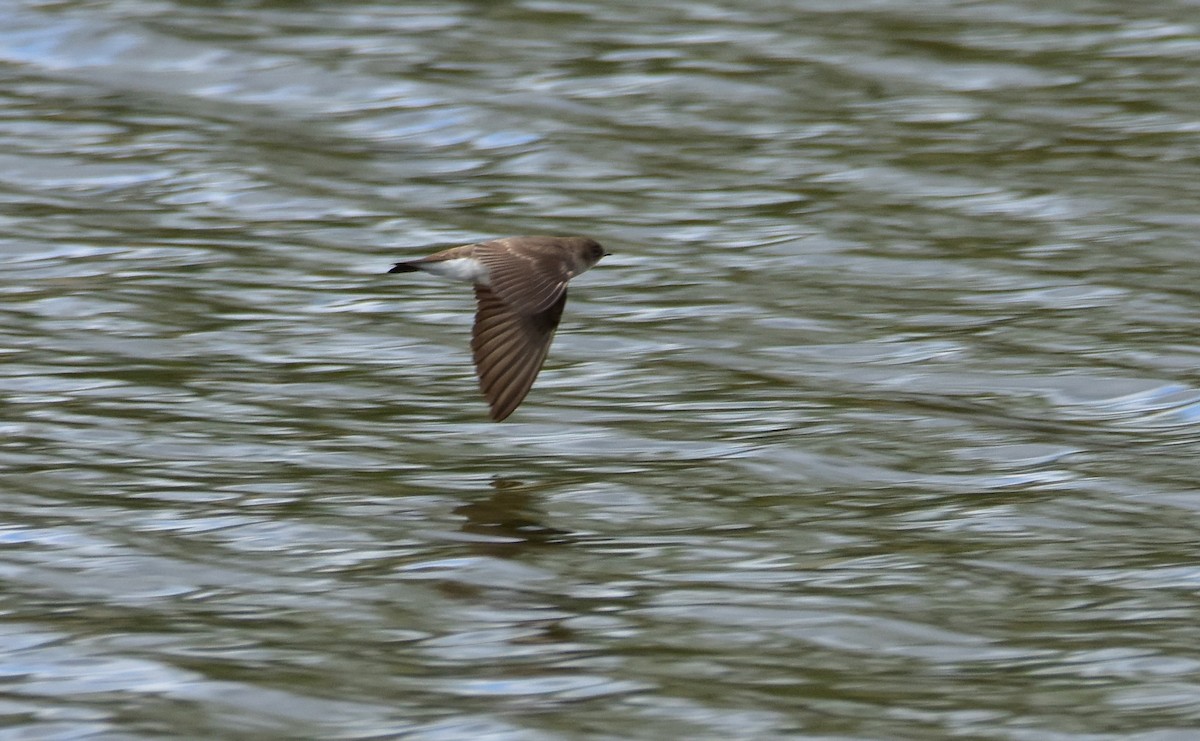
(882, 422)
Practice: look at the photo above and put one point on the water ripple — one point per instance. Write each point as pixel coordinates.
(879, 423)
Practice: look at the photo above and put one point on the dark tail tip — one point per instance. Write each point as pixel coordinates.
(404, 267)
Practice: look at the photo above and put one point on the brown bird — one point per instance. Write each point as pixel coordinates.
(520, 289)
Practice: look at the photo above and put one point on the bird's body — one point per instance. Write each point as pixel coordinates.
(520, 290)
(466, 269)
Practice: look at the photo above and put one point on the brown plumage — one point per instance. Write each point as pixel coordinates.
(520, 290)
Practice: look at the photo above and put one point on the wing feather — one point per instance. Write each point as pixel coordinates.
(528, 274)
(510, 346)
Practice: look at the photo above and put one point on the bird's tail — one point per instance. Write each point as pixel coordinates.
(404, 267)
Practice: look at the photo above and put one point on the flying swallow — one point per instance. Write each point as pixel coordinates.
(520, 290)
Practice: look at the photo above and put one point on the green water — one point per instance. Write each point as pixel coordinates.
(882, 422)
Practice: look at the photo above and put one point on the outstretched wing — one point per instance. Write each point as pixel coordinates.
(509, 346)
(529, 274)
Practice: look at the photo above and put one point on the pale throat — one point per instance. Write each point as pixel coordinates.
(466, 269)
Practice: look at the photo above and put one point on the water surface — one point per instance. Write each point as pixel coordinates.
(882, 422)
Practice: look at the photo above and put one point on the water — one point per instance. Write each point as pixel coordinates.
(881, 422)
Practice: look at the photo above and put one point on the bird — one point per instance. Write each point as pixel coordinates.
(520, 290)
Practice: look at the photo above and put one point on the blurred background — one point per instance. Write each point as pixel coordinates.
(882, 422)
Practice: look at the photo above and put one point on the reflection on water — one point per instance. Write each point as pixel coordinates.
(880, 423)
(508, 522)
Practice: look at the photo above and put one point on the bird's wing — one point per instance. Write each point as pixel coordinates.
(522, 276)
(509, 348)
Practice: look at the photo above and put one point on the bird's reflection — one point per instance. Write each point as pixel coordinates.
(509, 520)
